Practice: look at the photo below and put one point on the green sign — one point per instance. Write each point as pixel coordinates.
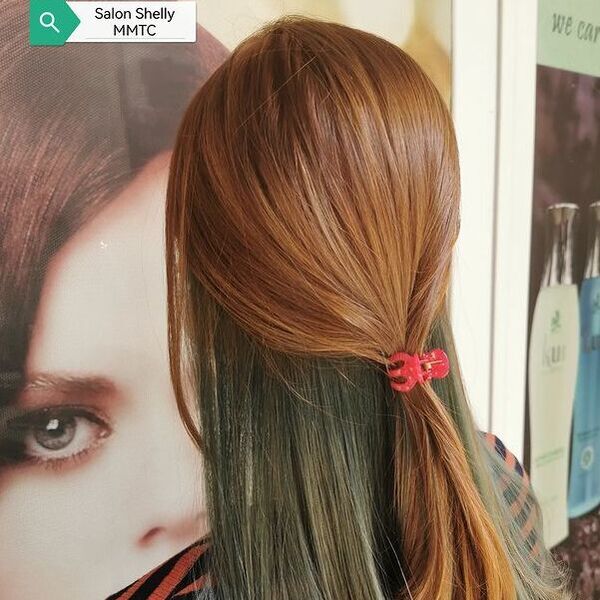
(569, 35)
(51, 22)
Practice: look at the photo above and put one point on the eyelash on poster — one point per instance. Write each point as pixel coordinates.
(27, 422)
(56, 464)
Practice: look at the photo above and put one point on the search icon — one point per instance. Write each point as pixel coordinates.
(48, 23)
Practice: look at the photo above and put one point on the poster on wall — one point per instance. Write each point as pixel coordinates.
(99, 481)
(563, 392)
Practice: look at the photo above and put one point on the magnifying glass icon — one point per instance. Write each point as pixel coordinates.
(48, 23)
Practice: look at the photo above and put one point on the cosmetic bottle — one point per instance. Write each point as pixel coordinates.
(584, 479)
(552, 372)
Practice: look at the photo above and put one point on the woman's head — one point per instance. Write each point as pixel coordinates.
(312, 208)
(89, 498)
(101, 481)
(326, 192)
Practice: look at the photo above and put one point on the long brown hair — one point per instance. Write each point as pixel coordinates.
(312, 209)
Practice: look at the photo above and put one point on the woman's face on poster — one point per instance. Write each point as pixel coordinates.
(108, 483)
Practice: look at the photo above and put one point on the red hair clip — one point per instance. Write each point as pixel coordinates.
(417, 368)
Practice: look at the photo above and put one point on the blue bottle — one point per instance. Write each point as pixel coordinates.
(584, 480)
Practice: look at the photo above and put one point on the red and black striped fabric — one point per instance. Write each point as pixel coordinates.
(185, 576)
(181, 577)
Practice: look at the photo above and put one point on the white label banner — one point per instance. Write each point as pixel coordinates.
(135, 21)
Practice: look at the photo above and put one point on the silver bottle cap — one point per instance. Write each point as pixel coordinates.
(592, 265)
(560, 229)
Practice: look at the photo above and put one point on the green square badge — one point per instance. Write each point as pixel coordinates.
(51, 22)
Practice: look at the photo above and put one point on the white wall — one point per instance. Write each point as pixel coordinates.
(514, 185)
(474, 108)
(493, 91)
(391, 19)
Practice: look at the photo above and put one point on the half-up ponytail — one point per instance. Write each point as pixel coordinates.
(458, 541)
(312, 208)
